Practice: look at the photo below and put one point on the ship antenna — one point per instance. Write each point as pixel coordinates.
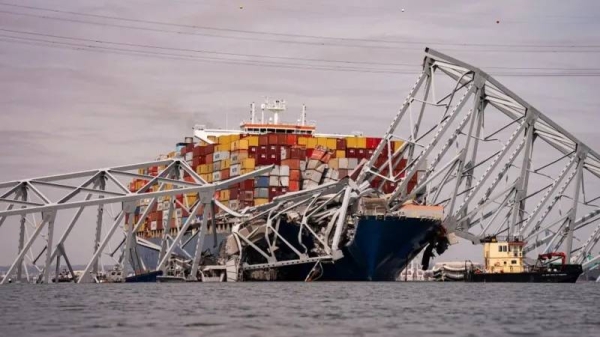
(303, 117)
(262, 113)
(252, 113)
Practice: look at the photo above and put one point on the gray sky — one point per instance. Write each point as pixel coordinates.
(65, 109)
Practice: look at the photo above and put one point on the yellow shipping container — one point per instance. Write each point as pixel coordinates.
(225, 140)
(397, 144)
(252, 140)
(322, 141)
(361, 142)
(191, 199)
(311, 143)
(209, 178)
(224, 195)
(351, 142)
(340, 154)
(303, 140)
(260, 201)
(248, 163)
(234, 137)
(331, 143)
(222, 147)
(225, 164)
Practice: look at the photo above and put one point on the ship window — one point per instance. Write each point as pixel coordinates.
(513, 262)
(500, 248)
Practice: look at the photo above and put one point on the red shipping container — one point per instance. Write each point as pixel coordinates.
(233, 193)
(189, 147)
(294, 164)
(340, 144)
(291, 139)
(196, 162)
(225, 174)
(247, 196)
(247, 185)
(272, 139)
(294, 186)
(317, 154)
(252, 150)
(361, 153)
(262, 159)
(209, 149)
(263, 140)
(208, 159)
(309, 153)
(273, 158)
(297, 153)
(295, 175)
(281, 139)
(351, 153)
(197, 151)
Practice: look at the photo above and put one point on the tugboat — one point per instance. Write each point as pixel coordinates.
(504, 263)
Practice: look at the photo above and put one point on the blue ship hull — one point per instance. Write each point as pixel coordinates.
(380, 249)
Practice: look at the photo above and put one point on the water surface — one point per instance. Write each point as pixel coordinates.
(300, 309)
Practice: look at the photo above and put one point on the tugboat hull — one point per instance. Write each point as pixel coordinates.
(568, 274)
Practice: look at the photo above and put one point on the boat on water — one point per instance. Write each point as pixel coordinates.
(504, 262)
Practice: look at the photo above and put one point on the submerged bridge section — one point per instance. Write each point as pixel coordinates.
(497, 165)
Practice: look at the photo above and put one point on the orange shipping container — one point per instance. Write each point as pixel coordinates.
(294, 175)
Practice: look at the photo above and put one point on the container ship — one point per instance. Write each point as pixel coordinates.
(378, 247)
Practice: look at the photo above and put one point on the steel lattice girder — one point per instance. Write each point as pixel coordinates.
(94, 186)
(513, 180)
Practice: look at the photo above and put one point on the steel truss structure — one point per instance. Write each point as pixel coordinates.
(38, 203)
(497, 165)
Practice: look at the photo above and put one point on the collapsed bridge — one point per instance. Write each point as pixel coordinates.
(486, 163)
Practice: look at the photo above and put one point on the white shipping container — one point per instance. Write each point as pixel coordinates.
(221, 155)
(153, 225)
(216, 176)
(166, 205)
(234, 204)
(159, 206)
(303, 165)
(275, 171)
(284, 153)
(273, 181)
(312, 164)
(352, 163)
(234, 170)
(284, 181)
(284, 171)
(343, 163)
